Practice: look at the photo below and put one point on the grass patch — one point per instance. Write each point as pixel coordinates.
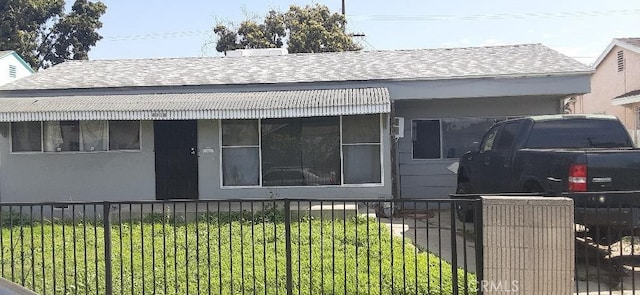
(224, 254)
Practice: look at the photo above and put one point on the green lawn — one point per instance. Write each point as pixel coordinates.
(221, 254)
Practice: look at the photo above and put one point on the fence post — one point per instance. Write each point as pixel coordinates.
(287, 233)
(107, 248)
(479, 246)
(454, 250)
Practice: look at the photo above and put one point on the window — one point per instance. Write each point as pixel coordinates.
(489, 139)
(447, 137)
(426, 139)
(124, 135)
(578, 133)
(301, 151)
(75, 136)
(508, 136)
(61, 136)
(361, 149)
(240, 153)
(12, 71)
(26, 137)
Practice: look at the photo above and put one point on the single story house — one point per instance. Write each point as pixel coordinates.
(12, 67)
(370, 124)
(615, 85)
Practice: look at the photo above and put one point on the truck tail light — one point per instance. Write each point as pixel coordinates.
(578, 178)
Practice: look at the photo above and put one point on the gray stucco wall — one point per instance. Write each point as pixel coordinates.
(431, 178)
(121, 176)
(77, 176)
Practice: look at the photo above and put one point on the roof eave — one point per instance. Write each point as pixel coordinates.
(502, 76)
(614, 43)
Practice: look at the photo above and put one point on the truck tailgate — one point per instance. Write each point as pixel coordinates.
(613, 170)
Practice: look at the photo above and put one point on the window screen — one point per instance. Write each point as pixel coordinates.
(26, 137)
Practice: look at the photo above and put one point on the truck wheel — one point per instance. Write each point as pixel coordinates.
(463, 212)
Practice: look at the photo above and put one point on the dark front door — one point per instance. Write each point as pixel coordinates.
(176, 144)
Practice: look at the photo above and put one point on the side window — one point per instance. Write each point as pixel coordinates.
(489, 139)
(426, 139)
(508, 136)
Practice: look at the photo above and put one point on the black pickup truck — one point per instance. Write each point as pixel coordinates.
(574, 155)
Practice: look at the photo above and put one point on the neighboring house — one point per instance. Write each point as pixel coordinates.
(615, 85)
(296, 125)
(12, 67)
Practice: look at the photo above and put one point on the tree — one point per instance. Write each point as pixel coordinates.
(44, 35)
(304, 29)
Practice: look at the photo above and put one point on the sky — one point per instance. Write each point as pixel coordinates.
(581, 29)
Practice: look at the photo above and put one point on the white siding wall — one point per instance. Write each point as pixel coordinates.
(5, 63)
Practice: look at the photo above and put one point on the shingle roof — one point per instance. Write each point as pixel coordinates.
(429, 64)
(180, 106)
(631, 41)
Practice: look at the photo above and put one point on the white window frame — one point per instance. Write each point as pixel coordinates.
(259, 146)
(379, 143)
(41, 151)
(340, 185)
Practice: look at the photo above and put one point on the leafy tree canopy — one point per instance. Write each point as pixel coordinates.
(303, 29)
(44, 34)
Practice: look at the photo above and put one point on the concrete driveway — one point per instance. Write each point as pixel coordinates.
(432, 232)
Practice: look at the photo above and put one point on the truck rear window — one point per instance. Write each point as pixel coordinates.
(578, 133)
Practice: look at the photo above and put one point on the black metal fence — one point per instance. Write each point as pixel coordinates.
(607, 242)
(242, 247)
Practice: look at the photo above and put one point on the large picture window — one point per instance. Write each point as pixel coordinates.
(75, 136)
(311, 151)
(301, 151)
(448, 137)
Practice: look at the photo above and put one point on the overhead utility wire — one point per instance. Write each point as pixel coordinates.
(436, 17)
(181, 34)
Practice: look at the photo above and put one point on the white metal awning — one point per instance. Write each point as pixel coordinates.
(619, 101)
(190, 106)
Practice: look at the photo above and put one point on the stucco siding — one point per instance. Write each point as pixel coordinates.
(433, 178)
(73, 176)
(633, 70)
(608, 83)
(122, 176)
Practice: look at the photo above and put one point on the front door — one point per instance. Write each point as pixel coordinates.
(176, 144)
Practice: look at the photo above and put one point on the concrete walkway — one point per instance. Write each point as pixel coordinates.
(434, 235)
